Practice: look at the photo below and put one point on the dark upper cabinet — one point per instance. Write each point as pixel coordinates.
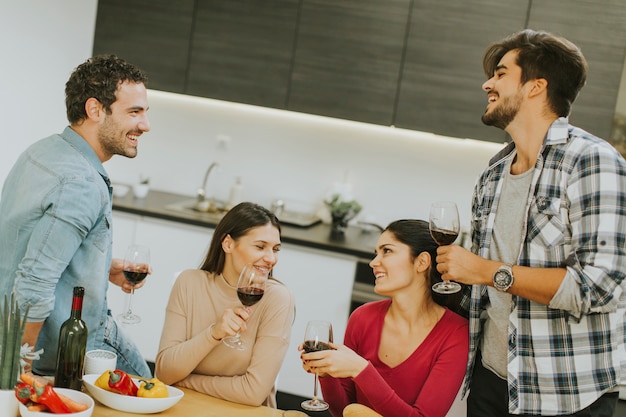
(242, 50)
(152, 34)
(348, 57)
(599, 29)
(441, 87)
(415, 64)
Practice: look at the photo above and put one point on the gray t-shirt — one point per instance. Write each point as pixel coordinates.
(507, 242)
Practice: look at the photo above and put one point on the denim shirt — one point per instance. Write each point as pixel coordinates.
(55, 234)
(564, 356)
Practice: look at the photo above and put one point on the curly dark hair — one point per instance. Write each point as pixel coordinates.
(544, 55)
(416, 235)
(98, 77)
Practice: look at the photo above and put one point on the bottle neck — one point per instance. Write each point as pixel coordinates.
(77, 307)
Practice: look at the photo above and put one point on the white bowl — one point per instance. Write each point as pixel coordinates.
(130, 404)
(141, 190)
(73, 394)
(120, 190)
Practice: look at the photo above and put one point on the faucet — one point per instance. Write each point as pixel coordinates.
(370, 224)
(201, 193)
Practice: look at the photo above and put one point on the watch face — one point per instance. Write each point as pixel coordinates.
(502, 278)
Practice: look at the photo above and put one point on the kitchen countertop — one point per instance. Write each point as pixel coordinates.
(355, 242)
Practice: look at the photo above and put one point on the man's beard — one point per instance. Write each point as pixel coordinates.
(109, 136)
(504, 113)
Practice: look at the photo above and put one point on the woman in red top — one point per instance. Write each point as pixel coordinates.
(404, 356)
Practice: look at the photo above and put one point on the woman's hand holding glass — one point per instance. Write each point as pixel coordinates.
(250, 290)
(232, 321)
(317, 337)
(339, 362)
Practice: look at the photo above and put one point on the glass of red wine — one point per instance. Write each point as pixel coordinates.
(316, 337)
(250, 289)
(136, 268)
(444, 228)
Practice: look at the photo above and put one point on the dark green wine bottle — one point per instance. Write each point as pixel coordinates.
(72, 346)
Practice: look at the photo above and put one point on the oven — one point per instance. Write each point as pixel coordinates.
(363, 287)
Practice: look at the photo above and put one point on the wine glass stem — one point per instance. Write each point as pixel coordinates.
(315, 389)
(129, 311)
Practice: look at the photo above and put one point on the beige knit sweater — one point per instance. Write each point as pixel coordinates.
(189, 357)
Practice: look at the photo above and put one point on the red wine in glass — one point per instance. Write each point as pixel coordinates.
(315, 346)
(250, 290)
(444, 237)
(135, 268)
(249, 296)
(135, 277)
(317, 336)
(444, 228)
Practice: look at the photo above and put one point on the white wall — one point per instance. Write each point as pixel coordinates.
(395, 173)
(41, 42)
(279, 154)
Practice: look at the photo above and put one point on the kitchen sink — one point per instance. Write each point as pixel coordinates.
(215, 211)
(211, 211)
(294, 218)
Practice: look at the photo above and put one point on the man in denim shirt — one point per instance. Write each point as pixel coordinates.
(548, 259)
(55, 213)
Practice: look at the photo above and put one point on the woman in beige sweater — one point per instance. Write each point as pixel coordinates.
(203, 308)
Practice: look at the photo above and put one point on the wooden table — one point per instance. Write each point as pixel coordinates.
(196, 404)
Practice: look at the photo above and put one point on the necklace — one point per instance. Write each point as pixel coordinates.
(234, 287)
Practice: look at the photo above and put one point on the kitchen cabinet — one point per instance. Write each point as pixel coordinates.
(440, 90)
(348, 57)
(321, 283)
(600, 32)
(152, 34)
(415, 64)
(242, 50)
(174, 247)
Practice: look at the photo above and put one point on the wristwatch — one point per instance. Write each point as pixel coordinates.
(503, 278)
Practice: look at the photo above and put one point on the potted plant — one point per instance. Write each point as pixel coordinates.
(12, 323)
(142, 187)
(341, 212)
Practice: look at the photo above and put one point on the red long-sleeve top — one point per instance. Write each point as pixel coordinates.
(425, 384)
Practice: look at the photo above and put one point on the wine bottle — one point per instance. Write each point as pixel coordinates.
(72, 346)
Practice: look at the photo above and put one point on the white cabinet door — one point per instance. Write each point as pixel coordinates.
(174, 247)
(322, 285)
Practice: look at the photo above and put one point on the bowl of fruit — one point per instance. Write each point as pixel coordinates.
(38, 398)
(118, 390)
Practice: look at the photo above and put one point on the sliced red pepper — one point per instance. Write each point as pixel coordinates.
(45, 394)
(122, 383)
(23, 392)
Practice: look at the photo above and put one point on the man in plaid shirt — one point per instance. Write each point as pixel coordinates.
(546, 295)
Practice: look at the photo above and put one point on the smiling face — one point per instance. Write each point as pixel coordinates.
(259, 247)
(504, 92)
(119, 132)
(393, 266)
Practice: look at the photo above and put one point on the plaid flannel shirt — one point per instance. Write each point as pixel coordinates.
(564, 356)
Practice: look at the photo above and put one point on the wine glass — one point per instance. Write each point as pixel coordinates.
(444, 228)
(316, 337)
(136, 268)
(250, 289)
